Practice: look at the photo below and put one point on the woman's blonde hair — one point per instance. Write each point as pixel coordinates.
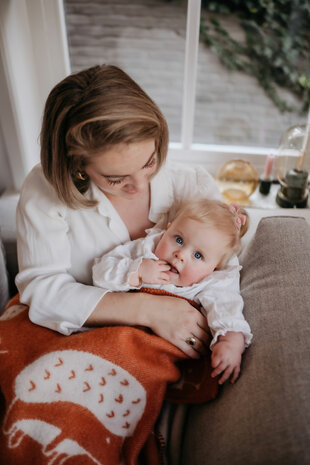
(220, 216)
(86, 114)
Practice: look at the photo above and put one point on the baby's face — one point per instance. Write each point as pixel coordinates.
(193, 250)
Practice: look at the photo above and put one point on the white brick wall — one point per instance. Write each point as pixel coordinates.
(147, 39)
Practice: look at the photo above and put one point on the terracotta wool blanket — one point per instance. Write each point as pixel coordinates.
(89, 398)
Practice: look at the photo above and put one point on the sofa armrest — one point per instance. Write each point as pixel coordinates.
(4, 285)
(264, 418)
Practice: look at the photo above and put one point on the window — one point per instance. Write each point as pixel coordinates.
(145, 38)
(210, 116)
(214, 114)
(232, 106)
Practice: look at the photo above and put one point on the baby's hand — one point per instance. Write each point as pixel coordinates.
(226, 356)
(154, 271)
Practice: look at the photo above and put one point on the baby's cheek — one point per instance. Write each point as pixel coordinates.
(189, 276)
(194, 274)
(161, 251)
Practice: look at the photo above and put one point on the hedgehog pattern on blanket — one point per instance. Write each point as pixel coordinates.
(92, 397)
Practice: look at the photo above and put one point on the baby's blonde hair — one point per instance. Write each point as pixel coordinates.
(219, 216)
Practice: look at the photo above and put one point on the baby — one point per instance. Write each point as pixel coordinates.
(190, 258)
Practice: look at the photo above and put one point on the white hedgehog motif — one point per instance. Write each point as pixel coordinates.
(13, 311)
(114, 396)
(44, 433)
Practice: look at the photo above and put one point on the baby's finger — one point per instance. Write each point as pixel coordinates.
(165, 275)
(162, 280)
(218, 370)
(215, 360)
(225, 375)
(164, 267)
(235, 375)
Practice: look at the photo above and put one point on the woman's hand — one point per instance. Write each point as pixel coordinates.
(176, 320)
(226, 356)
(171, 318)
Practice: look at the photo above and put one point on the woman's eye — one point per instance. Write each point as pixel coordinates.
(198, 255)
(113, 182)
(179, 240)
(150, 163)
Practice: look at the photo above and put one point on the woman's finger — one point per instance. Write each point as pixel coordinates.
(198, 344)
(189, 350)
(203, 334)
(202, 322)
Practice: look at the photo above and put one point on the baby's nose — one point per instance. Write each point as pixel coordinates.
(180, 255)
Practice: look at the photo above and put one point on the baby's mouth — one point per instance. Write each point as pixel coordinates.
(173, 269)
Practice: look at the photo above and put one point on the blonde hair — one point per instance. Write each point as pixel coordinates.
(86, 114)
(220, 216)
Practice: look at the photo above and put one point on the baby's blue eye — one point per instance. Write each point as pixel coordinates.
(179, 240)
(198, 255)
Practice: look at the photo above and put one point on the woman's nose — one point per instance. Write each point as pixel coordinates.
(139, 181)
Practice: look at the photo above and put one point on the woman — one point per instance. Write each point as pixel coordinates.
(101, 182)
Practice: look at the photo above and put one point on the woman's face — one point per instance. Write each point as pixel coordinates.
(124, 170)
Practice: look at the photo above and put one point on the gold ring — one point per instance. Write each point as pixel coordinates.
(191, 341)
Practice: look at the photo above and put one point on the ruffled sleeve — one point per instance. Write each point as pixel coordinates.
(222, 303)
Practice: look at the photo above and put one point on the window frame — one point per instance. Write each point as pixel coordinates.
(37, 30)
(212, 156)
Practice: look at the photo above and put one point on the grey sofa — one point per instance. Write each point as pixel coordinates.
(264, 418)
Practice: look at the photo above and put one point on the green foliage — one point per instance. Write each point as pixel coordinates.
(276, 48)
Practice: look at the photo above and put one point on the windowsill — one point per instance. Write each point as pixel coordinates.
(212, 157)
(258, 200)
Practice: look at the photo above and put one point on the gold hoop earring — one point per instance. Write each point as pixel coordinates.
(81, 176)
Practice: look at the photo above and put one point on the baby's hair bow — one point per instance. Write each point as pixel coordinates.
(240, 218)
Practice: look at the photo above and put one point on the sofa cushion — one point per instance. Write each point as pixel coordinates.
(264, 418)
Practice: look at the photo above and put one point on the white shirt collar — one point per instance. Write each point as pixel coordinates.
(106, 208)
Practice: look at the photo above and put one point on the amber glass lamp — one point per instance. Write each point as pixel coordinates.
(293, 167)
(237, 180)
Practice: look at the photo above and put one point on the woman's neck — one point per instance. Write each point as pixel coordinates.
(134, 213)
